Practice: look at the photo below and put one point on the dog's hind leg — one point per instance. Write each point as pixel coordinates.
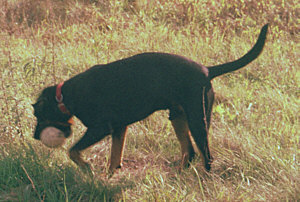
(197, 112)
(118, 142)
(180, 125)
(208, 103)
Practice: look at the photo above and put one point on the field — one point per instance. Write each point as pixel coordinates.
(253, 138)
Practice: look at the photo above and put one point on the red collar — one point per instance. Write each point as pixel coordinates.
(59, 99)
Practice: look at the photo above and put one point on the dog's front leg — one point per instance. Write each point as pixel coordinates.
(118, 142)
(92, 136)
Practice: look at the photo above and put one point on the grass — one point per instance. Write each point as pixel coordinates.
(254, 137)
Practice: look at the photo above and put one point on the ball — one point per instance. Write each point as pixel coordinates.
(52, 137)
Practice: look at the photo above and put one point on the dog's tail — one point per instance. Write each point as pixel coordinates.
(218, 70)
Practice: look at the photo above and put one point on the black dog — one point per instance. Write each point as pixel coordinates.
(107, 98)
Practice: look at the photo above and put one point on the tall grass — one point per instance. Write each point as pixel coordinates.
(254, 135)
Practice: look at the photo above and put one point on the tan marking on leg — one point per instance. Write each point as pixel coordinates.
(181, 128)
(118, 142)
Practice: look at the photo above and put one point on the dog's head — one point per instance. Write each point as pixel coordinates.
(49, 115)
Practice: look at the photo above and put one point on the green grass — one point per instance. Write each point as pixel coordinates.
(254, 138)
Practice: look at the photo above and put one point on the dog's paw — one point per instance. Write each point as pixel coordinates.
(112, 170)
(208, 165)
(86, 168)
